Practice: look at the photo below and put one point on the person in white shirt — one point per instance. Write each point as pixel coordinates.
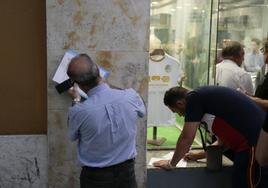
(254, 60)
(229, 72)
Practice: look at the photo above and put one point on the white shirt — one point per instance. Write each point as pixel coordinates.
(253, 62)
(229, 74)
(163, 74)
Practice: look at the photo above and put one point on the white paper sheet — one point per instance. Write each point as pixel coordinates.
(61, 73)
(182, 163)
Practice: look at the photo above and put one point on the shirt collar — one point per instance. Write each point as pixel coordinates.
(97, 89)
(229, 61)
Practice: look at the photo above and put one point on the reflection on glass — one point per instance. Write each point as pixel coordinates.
(245, 21)
(187, 32)
(182, 27)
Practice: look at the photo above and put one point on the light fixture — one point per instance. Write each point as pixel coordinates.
(154, 3)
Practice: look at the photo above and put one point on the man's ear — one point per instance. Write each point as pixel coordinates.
(180, 103)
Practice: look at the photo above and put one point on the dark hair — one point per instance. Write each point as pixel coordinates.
(86, 74)
(232, 49)
(174, 94)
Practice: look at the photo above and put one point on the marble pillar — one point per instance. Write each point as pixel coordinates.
(115, 34)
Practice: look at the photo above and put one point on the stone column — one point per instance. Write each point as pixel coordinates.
(115, 34)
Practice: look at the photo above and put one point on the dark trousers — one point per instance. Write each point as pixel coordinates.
(263, 182)
(246, 171)
(241, 170)
(117, 176)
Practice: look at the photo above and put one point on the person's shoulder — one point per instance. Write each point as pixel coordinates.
(130, 91)
(127, 92)
(226, 64)
(78, 108)
(132, 94)
(220, 65)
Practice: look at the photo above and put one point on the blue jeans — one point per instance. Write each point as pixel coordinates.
(117, 176)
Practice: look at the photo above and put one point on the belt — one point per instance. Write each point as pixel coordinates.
(119, 165)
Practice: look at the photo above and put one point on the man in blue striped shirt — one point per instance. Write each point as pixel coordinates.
(105, 127)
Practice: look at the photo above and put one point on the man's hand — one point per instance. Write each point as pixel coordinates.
(73, 92)
(165, 164)
(191, 156)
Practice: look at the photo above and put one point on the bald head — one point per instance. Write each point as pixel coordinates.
(83, 71)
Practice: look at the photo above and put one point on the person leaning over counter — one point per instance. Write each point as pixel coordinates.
(237, 124)
(261, 98)
(105, 127)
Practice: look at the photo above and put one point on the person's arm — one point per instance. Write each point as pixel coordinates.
(261, 102)
(137, 102)
(73, 131)
(74, 94)
(194, 156)
(182, 147)
(261, 150)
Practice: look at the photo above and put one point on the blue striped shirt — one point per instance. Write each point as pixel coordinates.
(105, 126)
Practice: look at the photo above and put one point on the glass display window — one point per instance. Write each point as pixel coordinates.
(192, 34)
(180, 51)
(245, 22)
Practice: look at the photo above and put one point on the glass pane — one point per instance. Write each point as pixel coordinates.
(180, 28)
(213, 42)
(245, 21)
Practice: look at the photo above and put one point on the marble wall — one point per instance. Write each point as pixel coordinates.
(115, 34)
(23, 161)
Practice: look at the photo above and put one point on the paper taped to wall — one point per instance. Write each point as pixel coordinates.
(61, 76)
(61, 73)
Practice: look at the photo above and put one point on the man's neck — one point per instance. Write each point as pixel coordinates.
(86, 89)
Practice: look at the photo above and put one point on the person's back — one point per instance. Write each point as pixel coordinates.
(107, 125)
(104, 126)
(232, 76)
(236, 125)
(239, 111)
